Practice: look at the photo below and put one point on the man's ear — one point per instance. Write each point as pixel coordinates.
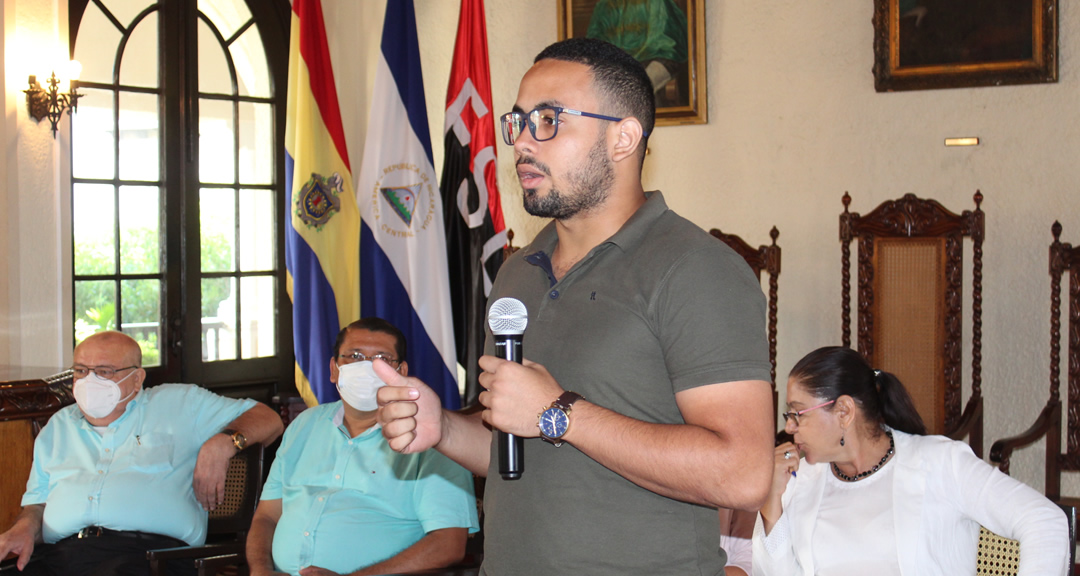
(628, 137)
(333, 370)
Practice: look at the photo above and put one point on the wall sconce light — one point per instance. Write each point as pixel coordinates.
(50, 102)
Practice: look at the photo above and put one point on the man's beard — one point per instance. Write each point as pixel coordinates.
(589, 185)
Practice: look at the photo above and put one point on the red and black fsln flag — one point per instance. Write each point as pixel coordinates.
(475, 232)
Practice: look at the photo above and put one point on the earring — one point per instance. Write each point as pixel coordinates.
(841, 439)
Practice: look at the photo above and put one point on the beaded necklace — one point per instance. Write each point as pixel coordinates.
(861, 475)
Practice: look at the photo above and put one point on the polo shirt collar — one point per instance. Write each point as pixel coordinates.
(630, 235)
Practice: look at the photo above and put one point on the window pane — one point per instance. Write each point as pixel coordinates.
(249, 57)
(257, 317)
(95, 47)
(142, 312)
(139, 66)
(216, 142)
(227, 15)
(214, 76)
(217, 222)
(256, 143)
(92, 146)
(125, 10)
(140, 239)
(94, 229)
(139, 136)
(218, 319)
(257, 244)
(95, 307)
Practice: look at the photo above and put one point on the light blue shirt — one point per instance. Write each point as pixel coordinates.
(348, 503)
(134, 474)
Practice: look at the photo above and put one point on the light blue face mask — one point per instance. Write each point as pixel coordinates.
(357, 385)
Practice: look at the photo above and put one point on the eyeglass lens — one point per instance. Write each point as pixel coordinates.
(543, 123)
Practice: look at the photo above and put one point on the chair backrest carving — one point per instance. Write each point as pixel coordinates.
(764, 258)
(910, 278)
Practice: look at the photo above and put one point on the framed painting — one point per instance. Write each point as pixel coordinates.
(666, 36)
(928, 44)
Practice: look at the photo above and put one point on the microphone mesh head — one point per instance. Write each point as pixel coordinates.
(507, 316)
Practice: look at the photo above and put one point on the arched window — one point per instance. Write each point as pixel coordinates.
(176, 175)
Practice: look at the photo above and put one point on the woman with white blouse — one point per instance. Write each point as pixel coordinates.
(873, 494)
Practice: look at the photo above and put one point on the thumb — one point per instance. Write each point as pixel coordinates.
(387, 374)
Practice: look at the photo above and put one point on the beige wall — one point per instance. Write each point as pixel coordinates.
(793, 122)
(35, 290)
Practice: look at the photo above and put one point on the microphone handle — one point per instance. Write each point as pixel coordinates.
(511, 448)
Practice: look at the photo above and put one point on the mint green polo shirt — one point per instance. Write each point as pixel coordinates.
(136, 473)
(350, 502)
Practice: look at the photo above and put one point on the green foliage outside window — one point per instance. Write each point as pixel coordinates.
(95, 300)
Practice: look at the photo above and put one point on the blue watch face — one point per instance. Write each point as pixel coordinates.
(553, 423)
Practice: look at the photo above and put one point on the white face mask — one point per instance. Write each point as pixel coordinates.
(357, 385)
(98, 397)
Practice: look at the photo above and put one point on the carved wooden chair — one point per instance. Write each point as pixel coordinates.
(1063, 258)
(910, 276)
(767, 259)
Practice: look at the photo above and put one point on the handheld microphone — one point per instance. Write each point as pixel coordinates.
(507, 319)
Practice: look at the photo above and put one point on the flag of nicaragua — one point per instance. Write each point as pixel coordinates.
(322, 233)
(403, 272)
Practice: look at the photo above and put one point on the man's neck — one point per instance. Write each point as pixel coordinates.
(583, 232)
(357, 422)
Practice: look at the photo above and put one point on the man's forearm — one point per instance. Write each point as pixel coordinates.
(258, 424)
(437, 549)
(260, 540)
(30, 520)
(681, 461)
(467, 441)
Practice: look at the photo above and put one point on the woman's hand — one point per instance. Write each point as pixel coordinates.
(785, 463)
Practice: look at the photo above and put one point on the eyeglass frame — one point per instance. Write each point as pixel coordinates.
(75, 369)
(504, 120)
(361, 357)
(795, 414)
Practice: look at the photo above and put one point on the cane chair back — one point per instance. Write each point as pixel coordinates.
(910, 320)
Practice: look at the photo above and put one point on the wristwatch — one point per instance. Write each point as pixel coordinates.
(554, 421)
(238, 438)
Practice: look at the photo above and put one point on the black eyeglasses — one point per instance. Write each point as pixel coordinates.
(360, 357)
(543, 122)
(794, 414)
(106, 372)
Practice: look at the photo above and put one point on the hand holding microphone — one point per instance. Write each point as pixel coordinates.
(507, 319)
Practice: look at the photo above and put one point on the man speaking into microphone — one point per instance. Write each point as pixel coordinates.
(643, 396)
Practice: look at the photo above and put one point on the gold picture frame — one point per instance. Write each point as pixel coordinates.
(681, 96)
(930, 44)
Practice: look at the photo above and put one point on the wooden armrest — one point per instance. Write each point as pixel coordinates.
(1002, 450)
(215, 564)
(970, 423)
(195, 551)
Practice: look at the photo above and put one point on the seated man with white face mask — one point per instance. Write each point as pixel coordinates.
(339, 501)
(127, 470)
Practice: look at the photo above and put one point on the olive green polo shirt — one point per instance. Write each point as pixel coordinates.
(658, 308)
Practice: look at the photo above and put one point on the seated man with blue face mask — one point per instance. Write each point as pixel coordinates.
(339, 501)
(127, 470)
